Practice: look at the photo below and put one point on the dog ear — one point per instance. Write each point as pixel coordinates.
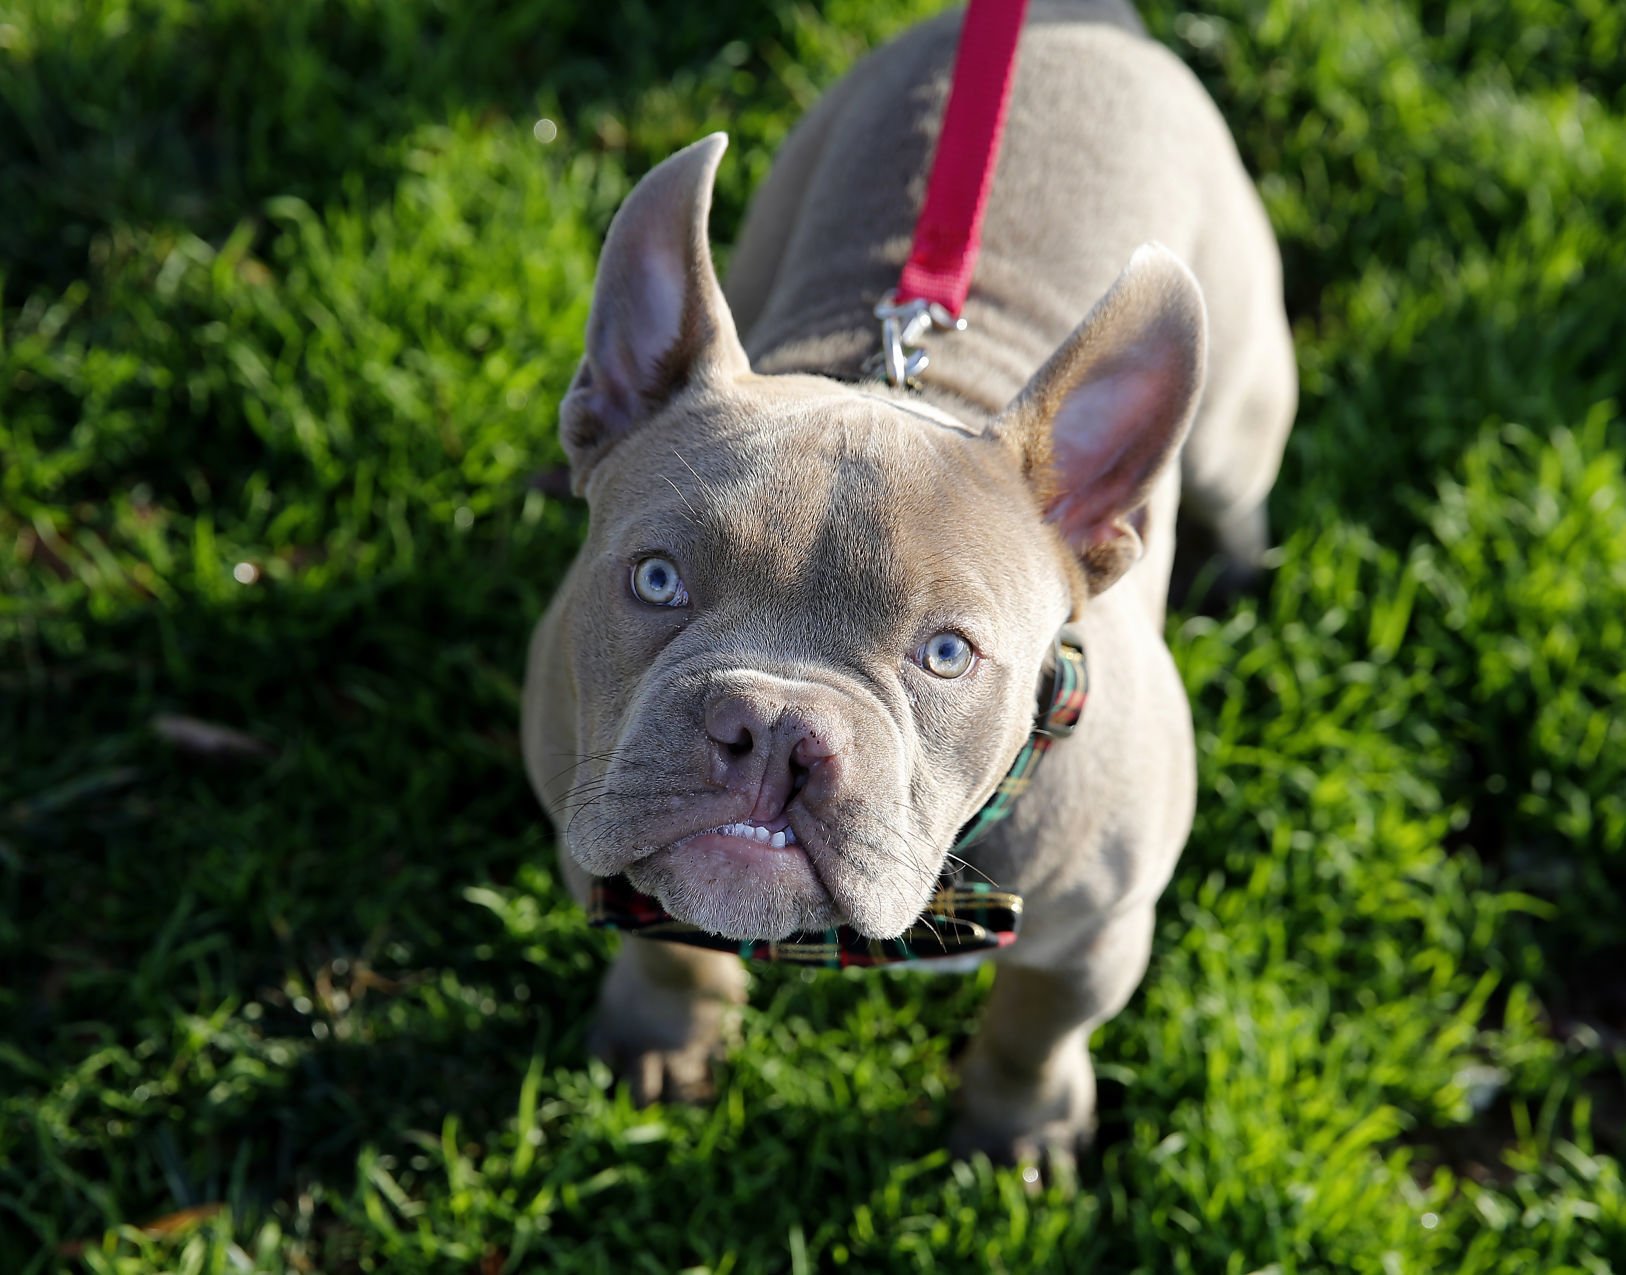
(659, 321)
(1099, 423)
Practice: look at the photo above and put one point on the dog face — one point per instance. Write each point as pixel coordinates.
(807, 627)
(807, 610)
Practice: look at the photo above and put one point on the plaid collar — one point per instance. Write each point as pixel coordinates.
(963, 917)
(1061, 704)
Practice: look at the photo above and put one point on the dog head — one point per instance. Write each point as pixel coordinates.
(807, 625)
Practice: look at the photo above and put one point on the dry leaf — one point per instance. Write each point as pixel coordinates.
(208, 739)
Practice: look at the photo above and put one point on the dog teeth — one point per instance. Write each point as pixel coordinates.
(756, 832)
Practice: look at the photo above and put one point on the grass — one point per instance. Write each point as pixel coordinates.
(287, 294)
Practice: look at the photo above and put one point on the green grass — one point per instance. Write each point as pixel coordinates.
(288, 292)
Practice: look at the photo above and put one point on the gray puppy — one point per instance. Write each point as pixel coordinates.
(803, 641)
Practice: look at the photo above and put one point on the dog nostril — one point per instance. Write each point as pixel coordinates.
(740, 746)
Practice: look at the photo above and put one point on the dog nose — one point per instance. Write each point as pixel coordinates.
(778, 749)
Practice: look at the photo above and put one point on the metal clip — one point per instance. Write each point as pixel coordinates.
(904, 325)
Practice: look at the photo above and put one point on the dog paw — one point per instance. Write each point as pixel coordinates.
(657, 1075)
(1046, 1157)
(1215, 568)
(1040, 1118)
(665, 1015)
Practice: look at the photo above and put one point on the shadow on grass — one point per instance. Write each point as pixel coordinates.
(225, 981)
(143, 889)
(174, 114)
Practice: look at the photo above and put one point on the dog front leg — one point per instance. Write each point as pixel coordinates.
(662, 1015)
(1027, 1088)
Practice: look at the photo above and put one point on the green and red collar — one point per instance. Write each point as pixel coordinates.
(963, 917)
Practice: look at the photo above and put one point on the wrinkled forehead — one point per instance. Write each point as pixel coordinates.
(830, 500)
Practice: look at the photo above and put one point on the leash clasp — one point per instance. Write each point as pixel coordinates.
(904, 324)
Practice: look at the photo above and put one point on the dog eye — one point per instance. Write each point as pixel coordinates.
(947, 655)
(655, 580)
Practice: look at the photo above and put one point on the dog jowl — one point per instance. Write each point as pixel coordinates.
(804, 641)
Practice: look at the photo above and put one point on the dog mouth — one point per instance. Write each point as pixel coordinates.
(750, 869)
(776, 834)
(743, 879)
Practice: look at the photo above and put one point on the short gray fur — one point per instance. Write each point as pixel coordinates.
(825, 529)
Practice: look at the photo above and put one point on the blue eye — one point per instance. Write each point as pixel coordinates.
(655, 580)
(947, 655)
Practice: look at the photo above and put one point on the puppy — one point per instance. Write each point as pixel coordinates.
(810, 626)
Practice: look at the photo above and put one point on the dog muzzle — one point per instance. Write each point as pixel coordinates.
(963, 918)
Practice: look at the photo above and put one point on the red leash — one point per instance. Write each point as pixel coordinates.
(950, 227)
(937, 276)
